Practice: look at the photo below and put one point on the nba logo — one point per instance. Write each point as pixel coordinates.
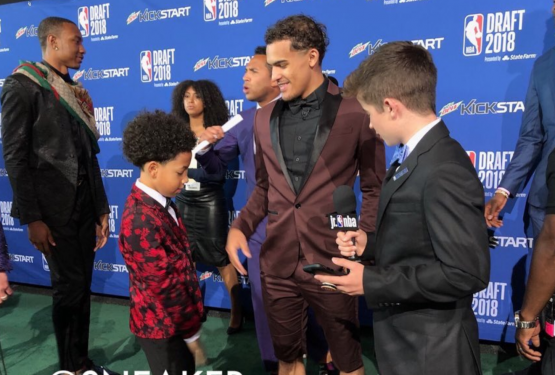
(472, 156)
(209, 10)
(339, 221)
(146, 66)
(83, 18)
(45, 264)
(473, 34)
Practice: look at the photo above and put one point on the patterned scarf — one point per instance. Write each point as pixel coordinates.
(71, 95)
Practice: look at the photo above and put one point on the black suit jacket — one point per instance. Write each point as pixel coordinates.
(431, 256)
(40, 156)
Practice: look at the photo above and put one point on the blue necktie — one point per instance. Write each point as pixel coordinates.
(399, 155)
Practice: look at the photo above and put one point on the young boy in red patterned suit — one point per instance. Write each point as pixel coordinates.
(166, 301)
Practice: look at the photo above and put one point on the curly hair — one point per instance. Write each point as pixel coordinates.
(215, 111)
(156, 136)
(303, 32)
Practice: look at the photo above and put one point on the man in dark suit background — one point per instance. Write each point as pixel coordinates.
(431, 244)
(50, 146)
(307, 143)
(535, 143)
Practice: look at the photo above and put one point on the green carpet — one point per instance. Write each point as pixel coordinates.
(27, 339)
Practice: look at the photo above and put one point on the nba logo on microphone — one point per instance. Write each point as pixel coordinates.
(473, 34)
(209, 10)
(146, 66)
(83, 21)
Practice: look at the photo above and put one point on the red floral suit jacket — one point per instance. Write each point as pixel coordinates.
(164, 292)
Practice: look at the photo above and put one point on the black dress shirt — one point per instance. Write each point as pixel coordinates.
(298, 124)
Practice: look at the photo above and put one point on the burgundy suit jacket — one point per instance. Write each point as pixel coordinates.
(165, 297)
(344, 145)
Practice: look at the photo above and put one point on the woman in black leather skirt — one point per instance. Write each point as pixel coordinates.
(202, 202)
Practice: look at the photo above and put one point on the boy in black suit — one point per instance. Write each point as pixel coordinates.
(431, 245)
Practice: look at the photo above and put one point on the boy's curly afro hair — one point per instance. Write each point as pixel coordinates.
(156, 136)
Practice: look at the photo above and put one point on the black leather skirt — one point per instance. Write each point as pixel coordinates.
(206, 220)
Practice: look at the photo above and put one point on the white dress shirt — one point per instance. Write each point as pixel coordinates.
(157, 197)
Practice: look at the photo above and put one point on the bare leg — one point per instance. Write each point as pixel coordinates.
(292, 368)
(229, 275)
(197, 349)
(359, 371)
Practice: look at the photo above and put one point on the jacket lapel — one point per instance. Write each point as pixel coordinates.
(396, 177)
(274, 135)
(330, 107)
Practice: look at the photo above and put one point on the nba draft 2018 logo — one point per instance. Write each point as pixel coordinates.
(156, 66)
(226, 11)
(93, 21)
(495, 35)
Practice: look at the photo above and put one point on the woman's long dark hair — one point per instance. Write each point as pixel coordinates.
(215, 111)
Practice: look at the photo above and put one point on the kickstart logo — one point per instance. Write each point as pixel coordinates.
(116, 173)
(17, 258)
(495, 36)
(372, 46)
(99, 265)
(222, 62)
(226, 12)
(156, 66)
(27, 31)
(158, 15)
(93, 22)
(395, 2)
(94, 74)
(474, 107)
(268, 2)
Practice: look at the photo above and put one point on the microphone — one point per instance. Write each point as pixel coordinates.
(345, 216)
(225, 127)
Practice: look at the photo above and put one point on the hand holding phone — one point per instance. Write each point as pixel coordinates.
(319, 268)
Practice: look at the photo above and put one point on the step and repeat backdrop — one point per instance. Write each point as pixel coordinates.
(138, 51)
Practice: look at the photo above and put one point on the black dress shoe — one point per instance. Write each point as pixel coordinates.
(234, 330)
(101, 370)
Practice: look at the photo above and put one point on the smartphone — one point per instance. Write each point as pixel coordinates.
(319, 268)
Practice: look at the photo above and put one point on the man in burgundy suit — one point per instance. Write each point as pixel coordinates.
(307, 143)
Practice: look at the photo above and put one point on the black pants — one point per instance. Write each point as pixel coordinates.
(171, 355)
(71, 266)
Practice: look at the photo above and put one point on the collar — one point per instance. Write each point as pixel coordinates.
(66, 77)
(258, 106)
(317, 95)
(151, 193)
(411, 144)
